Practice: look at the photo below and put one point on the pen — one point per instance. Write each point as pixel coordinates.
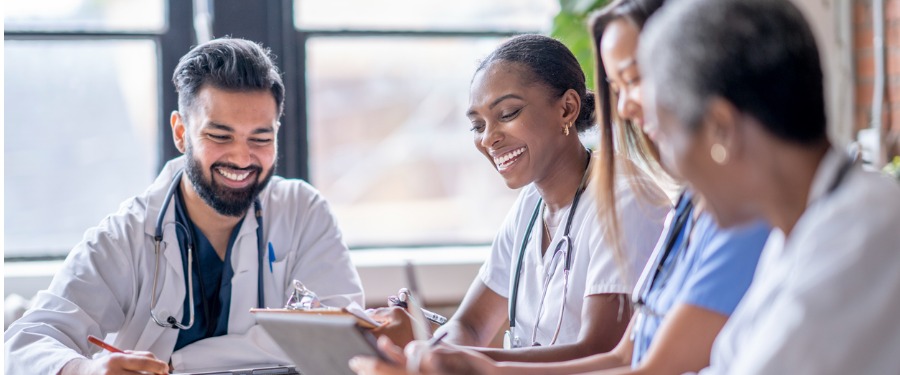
(112, 349)
(430, 315)
(437, 340)
(413, 290)
(434, 317)
(271, 256)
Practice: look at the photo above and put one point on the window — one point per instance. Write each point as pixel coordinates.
(376, 107)
(82, 116)
(127, 16)
(77, 148)
(387, 89)
(390, 146)
(426, 15)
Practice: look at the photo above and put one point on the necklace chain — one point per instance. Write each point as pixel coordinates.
(547, 231)
(546, 225)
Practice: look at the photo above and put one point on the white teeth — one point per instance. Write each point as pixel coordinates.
(508, 156)
(233, 176)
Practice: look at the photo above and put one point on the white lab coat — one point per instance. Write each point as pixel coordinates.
(824, 300)
(105, 284)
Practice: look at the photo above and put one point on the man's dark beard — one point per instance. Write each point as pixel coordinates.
(226, 201)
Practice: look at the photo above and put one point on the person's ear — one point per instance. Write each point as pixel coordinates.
(721, 127)
(178, 130)
(570, 104)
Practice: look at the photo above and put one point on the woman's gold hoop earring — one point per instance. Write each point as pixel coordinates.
(566, 129)
(718, 154)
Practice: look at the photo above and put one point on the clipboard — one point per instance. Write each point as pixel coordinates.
(319, 342)
(353, 310)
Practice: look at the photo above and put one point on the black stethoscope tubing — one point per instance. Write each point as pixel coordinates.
(677, 227)
(171, 321)
(567, 265)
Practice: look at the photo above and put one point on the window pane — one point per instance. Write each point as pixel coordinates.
(85, 15)
(512, 15)
(81, 127)
(390, 144)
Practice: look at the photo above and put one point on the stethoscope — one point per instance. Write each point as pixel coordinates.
(171, 321)
(685, 211)
(511, 339)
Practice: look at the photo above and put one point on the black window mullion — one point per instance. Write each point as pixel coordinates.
(271, 24)
(175, 42)
(294, 136)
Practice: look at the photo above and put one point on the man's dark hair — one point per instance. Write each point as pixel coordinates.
(760, 55)
(229, 64)
(551, 64)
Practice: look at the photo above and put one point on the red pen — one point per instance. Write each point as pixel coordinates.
(112, 349)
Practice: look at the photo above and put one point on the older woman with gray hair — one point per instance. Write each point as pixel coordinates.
(736, 93)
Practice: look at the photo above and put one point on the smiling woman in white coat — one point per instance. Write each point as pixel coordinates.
(174, 273)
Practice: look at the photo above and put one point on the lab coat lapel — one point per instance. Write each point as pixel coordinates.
(244, 283)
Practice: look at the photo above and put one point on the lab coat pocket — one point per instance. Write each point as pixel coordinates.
(277, 282)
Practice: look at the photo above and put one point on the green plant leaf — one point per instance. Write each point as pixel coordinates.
(570, 28)
(582, 7)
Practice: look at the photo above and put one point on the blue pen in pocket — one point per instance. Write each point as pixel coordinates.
(271, 256)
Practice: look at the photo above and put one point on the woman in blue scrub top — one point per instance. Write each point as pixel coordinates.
(698, 272)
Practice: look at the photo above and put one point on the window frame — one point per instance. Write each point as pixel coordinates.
(171, 42)
(270, 23)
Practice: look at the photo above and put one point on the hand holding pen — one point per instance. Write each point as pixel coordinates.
(405, 320)
(400, 300)
(120, 361)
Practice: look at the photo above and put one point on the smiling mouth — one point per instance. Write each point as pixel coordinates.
(506, 160)
(236, 177)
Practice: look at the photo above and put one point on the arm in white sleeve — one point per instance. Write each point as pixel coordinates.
(89, 296)
(837, 312)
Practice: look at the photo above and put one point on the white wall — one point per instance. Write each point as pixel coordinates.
(443, 273)
(831, 21)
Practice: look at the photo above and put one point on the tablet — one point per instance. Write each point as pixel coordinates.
(319, 344)
(248, 370)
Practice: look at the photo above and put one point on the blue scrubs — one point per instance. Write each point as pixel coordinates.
(712, 272)
(212, 280)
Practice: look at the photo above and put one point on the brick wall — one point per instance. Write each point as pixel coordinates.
(865, 69)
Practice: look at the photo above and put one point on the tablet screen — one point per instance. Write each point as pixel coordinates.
(319, 344)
